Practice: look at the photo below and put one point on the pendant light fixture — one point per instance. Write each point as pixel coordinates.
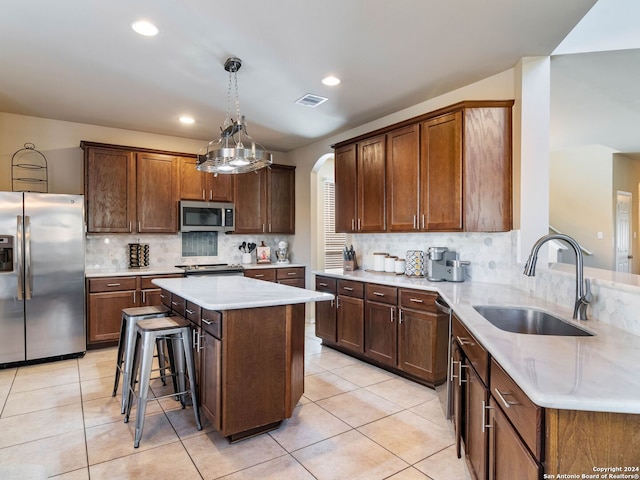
(235, 151)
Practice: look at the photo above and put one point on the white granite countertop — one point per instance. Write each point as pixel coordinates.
(598, 373)
(124, 272)
(255, 266)
(234, 292)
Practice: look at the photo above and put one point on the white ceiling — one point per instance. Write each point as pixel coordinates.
(78, 60)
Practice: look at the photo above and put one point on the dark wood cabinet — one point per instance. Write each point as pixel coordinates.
(197, 185)
(326, 315)
(265, 200)
(360, 186)
(157, 193)
(422, 336)
(350, 316)
(397, 329)
(403, 179)
(110, 190)
(380, 324)
(292, 276)
(476, 440)
(129, 190)
(346, 188)
(108, 296)
(447, 170)
(508, 456)
(441, 173)
(458, 400)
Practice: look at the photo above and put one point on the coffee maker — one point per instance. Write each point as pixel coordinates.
(443, 265)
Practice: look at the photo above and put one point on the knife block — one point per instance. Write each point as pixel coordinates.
(349, 265)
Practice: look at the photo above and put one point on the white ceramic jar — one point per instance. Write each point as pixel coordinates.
(378, 261)
(400, 265)
(390, 264)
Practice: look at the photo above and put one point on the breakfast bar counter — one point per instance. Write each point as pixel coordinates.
(249, 344)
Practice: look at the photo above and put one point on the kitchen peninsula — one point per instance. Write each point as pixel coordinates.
(249, 343)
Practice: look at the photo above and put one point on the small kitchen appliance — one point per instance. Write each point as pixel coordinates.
(282, 253)
(443, 265)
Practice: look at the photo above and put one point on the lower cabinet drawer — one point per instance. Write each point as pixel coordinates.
(211, 322)
(267, 274)
(289, 273)
(350, 288)
(381, 293)
(110, 284)
(418, 300)
(525, 415)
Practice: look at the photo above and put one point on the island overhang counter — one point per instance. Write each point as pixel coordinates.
(249, 344)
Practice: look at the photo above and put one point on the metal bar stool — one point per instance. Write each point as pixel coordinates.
(126, 344)
(177, 331)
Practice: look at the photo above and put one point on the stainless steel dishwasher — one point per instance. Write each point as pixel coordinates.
(444, 390)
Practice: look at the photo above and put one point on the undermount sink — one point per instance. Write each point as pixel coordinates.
(529, 321)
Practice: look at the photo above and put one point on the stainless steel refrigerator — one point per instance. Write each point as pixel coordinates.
(42, 313)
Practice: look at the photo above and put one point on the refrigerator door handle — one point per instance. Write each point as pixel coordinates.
(19, 262)
(28, 278)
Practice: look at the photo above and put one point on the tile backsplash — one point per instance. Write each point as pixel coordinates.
(111, 251)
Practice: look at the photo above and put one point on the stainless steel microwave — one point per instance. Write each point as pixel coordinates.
(207, 216)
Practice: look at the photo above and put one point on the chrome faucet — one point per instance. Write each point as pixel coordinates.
(583, 289)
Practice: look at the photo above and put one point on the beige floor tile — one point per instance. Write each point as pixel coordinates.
(167, 462)
(432, 411)
(408, 435)
(115, 440)
(58, 454)
(311, 368)
(411, 474)
(184, 422)
(44, 379)
(100, 355)
(363, 375)
(308, 424)
(215, 457)
(312, 347)
(444, 465)
(359, 407)
(324, 385)
(90, 371)
(329, 359)
(283, 468)
(80, 474)
(41, 424)
(7, 373)
(48, 367)
(41, 399)
(403, 392)
(351, 456)
(107, 410)
(5, 385)
(98, 388)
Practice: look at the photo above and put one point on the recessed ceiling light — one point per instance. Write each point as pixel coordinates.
(331, 81)
(187, 120)
(145, 28)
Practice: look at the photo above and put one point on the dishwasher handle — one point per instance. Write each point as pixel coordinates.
(442, 305)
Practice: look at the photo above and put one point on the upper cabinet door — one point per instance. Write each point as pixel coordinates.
(192, 181)
(197, 185)
(441, 173)
(371, 185)
(487, 169)
(346, 188)
(403, 179)
(158, 192)
(282, 198)
(110, 190)
(251, 202)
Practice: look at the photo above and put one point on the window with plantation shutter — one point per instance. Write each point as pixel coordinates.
(333, 242)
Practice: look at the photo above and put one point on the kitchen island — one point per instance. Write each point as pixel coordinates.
(249, 343)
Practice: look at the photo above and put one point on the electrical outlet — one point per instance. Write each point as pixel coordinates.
(600, 235)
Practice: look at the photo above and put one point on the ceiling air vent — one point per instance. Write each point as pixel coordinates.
(310, 100)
